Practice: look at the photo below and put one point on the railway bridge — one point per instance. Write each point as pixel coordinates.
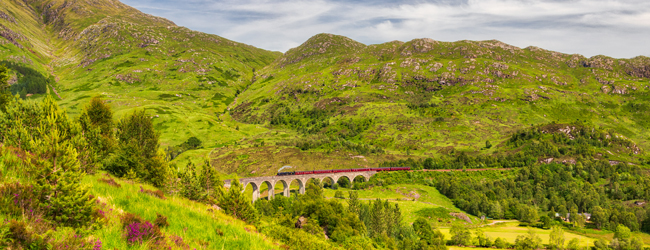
(271, 181)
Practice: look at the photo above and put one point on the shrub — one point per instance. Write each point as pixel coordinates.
(111, 182)
(155, 193)
(161, 220)
(138, 230)
(339, 194)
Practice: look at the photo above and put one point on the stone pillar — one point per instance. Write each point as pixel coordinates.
(285, 191)
(271, 190)
(256, 191)
(301, 183)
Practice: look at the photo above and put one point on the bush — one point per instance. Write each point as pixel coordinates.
(138, 151)
(138, 230)
(339, 194)
(161, 220)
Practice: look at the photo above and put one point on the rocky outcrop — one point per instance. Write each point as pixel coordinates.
(7, 17)
(418, 46)
(11, 36)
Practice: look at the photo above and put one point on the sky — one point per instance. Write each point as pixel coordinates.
(616, 28)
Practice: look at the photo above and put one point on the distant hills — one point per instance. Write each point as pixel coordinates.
(331, 102)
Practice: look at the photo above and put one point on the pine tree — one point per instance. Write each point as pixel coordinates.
(5, 94)
(190, 186)
(58, 177)
(354, 206)
(139, 150)
(235, 203)
(210, 182)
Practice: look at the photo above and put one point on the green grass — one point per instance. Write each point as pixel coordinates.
(510, 230)
(190, 220)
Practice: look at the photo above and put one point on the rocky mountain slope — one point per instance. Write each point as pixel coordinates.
(428, 98)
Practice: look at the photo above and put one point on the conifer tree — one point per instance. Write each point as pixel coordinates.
(210, 182)
(58, 177)
(190, 186)
(235, 203)
(354, 205)
(5, 94)
(139, 150)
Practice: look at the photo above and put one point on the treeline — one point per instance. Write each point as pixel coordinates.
(556, 140)
(543, 190)
(191, 143)
(30, 80)
(531, 145)
(377, 224)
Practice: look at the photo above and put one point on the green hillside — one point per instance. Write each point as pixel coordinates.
(427, 98)
(184, 78)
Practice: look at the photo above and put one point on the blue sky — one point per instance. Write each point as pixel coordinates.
(617, 28)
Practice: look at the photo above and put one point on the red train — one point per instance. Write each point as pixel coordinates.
(345, 170)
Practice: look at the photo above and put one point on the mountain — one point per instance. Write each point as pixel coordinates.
(332, 102)
(427, 98)
(134, 60)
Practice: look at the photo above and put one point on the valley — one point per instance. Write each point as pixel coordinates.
(118, 129)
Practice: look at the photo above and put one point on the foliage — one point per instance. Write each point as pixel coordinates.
(138, 150)
(460, 236)
(528, 242)
(235, 203)
(556, 241)
(433, 238)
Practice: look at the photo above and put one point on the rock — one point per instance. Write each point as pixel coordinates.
(435, 67)
(301, 222)
(619, 90)
(605, 89)
(546, 161)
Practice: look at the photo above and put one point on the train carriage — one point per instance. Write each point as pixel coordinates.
(344, 170)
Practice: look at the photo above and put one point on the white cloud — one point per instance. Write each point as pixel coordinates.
(619, 28)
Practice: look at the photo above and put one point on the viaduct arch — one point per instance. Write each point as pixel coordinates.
(286, 180)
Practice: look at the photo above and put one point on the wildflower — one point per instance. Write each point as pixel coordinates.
(98, 245)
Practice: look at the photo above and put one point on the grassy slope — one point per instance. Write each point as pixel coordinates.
(185, 79)
(189, 220)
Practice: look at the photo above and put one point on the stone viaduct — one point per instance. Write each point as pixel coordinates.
(271, 181)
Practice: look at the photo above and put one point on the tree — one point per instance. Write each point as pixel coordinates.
(5, 94)
(574, 244)
(58, 176)
(139, 150)
(190, 185)
(23, 93)
(236, 204)
(482, 239)
(556, 241)
(100, 115)
(500, 243)
(211, 183)
(460, 236)
(546, 221)
(430, 237)
(354, 205)
(599, 216)
(529, 214)
(488, 144)
(528, 242)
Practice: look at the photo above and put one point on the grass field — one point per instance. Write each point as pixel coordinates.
(510, 230)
